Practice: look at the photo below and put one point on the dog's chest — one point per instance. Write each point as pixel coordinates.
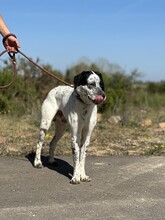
(84, 114)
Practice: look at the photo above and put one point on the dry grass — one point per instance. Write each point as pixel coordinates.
(19, 137)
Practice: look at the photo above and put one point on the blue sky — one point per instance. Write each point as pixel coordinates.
(130, 33)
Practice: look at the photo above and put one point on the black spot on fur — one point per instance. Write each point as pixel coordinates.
(81, 79)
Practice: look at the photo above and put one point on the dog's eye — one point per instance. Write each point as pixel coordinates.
(91, 85)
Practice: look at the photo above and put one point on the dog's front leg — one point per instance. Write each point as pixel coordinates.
(76, 154)
(83, 176)
(86, 134)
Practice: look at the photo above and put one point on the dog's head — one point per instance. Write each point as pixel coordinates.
(90, 87)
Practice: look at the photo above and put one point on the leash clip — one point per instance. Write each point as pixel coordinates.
(12, 56)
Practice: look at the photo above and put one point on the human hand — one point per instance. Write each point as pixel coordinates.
(11, 44)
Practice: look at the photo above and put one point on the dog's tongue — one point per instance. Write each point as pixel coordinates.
(99, 99)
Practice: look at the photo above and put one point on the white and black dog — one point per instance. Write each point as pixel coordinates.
(78, 107)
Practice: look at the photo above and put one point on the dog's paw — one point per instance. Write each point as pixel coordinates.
(38, 165)
(75, 180)
(52, 162)
(85, 179)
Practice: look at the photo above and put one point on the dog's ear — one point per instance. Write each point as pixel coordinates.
(81, 79)
(101, 80)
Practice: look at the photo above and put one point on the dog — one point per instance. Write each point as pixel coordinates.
(77, 107)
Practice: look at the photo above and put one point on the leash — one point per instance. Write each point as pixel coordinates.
(46, 71)
(12, 56)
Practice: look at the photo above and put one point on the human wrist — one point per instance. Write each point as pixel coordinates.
(6, 36)
(5, 32)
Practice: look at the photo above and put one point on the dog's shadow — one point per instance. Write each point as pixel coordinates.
(61, 166)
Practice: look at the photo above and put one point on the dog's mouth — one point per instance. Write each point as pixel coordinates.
(98, 99)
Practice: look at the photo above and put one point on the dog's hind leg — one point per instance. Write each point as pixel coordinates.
(37, 161)
(60, 129)
(49, 109)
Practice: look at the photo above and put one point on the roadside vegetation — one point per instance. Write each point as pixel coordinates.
(130, 122)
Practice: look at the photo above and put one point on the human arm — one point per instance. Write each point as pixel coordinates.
(11, 43)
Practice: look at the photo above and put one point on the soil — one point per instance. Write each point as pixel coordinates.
(20, 135)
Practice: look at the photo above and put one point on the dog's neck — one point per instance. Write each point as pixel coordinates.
(78, 97)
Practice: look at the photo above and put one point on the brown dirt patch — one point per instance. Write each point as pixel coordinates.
(19, 137)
